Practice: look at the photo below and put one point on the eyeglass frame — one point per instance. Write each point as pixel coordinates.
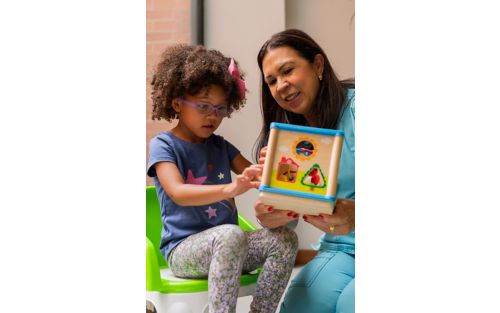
(213, 108)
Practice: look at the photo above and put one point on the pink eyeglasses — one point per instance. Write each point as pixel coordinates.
(207, 109)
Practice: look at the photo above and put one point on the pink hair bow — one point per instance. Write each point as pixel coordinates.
(233, 71)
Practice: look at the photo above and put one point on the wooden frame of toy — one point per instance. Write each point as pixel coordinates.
(301, 168)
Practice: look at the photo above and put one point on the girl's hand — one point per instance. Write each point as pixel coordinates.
(341, 222)
(270, 218)
(250, 178)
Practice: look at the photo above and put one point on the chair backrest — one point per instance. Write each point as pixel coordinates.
(153, 222)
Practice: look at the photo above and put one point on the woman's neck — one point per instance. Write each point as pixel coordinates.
(311, 120)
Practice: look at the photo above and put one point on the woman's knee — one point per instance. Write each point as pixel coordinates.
(345, 303)
(327, 276)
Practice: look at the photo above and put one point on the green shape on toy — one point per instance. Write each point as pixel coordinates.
(315, 166)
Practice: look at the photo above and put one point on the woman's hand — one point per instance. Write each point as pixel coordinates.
(341, 222)
(262, 156)
(270, 218)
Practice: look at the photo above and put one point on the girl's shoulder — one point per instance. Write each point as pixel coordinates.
(167, 138)
(162, 139)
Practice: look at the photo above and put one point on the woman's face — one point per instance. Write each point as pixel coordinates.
(292, 80)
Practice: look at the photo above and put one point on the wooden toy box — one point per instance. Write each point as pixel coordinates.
(301, 167)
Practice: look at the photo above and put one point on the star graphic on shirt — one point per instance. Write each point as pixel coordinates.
(221, 176)
(211, 212)
(192, 180)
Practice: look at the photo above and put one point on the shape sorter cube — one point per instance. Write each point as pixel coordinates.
(301, 168)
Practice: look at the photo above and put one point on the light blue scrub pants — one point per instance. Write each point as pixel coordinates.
(324, 285)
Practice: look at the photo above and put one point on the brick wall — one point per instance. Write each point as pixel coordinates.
(168, 22)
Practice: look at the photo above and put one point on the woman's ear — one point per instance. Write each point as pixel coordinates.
(319, 64)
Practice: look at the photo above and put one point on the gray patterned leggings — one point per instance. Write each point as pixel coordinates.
(224, 251)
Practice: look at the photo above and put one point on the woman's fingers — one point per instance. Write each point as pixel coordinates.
(331, 224)
(262, 157)
(341, 222)
(263, 151)
(271, 218)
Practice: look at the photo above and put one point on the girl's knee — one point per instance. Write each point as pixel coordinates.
(230, 230)
(232, 237)
(284, 241)
(288, 238)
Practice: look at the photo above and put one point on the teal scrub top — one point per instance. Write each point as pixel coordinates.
(346, 185)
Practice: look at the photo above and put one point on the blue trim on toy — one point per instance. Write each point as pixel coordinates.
(296, 194)
(308, 129)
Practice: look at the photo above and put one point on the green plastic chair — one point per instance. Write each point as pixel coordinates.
(168, 293)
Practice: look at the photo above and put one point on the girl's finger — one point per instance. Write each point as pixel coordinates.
(255, 184)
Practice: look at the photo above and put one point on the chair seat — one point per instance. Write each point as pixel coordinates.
(173, 284)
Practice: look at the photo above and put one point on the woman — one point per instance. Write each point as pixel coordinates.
(300, 87)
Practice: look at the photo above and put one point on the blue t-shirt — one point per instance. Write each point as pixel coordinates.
(207, 163)
(346, 182)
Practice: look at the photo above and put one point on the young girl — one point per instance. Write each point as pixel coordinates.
(191, 170)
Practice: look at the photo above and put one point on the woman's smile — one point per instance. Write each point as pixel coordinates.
(293, 100)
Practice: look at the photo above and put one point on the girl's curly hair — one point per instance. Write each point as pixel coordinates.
(185, 69)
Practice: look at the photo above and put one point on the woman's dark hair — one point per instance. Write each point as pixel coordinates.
(331, 93)
(185, 69)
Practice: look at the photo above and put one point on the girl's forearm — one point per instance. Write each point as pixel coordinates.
(189, 195)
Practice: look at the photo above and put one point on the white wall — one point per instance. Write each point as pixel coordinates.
(331, 24)
(238, 28)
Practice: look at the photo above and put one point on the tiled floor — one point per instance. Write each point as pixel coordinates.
(243, 305)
